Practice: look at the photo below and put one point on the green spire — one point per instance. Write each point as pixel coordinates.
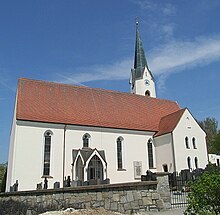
(139, 59)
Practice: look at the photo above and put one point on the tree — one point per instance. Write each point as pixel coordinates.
(2, 176)
(204, 197)
(210, 126)
(216, 143)
(3, 185)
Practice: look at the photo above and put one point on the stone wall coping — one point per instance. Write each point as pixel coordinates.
(91, 188)
(161, 174)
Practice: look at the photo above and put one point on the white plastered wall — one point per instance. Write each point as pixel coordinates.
(164, 153)
(28, 147)
(9, 180)
(171, 148)
(134, 148)
(188, 127)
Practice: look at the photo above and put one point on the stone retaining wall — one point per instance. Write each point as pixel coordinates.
(124, 198)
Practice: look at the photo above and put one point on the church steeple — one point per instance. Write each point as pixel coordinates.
(142, 80)
(140, 61)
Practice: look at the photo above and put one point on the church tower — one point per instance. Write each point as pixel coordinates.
(142, 80)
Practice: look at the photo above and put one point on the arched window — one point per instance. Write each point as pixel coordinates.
(194, 142)
(119, 152)
(95, 169)
(187, 142)
(189, 162)
(47, 149)
(150, 154)
(147, 93)
(196, 163)
(86, 138)
(165, 168)
(79, 169)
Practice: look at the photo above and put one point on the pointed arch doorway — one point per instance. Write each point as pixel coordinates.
(95, 169)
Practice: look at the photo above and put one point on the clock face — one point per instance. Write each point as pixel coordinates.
(147, 82)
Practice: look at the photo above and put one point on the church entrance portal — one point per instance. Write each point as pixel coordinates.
(95, 169)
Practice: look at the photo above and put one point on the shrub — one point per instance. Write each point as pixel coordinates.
(204, 197)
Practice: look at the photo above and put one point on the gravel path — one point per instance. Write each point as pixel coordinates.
(102, 211)
(174, 211)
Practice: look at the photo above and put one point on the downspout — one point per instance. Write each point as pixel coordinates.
(173, 152)
(64, 149)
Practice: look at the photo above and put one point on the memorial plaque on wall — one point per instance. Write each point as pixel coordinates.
(137, 169)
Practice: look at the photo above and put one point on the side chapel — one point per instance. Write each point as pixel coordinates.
(93, 136)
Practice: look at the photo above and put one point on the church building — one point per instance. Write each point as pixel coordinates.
(64, 133)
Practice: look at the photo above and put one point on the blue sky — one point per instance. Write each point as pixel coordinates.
(92, 43)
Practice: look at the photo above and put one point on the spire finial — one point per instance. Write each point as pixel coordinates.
(137, 20)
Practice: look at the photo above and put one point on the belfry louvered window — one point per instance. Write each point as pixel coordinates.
(47, 150)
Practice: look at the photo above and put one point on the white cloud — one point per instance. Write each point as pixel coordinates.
(178, 55)
(116, 71)
(5, 84)
(161, 25)
(145, 4)
(169, 10)
(167, 31)
(164, 60)
(159, 7)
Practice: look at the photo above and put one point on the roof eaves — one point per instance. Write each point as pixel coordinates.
(86, 125)
(159, 135)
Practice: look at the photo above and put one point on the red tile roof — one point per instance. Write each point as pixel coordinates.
(168, 123)
(43, 101)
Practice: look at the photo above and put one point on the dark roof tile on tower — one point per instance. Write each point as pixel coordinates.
(140, 62)
(43, 101)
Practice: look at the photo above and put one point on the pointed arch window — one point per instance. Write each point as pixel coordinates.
(196, 163)
(194, 142)
(86, 140)
(119, 152)
(189, 163)
(47, 151)
(187, 142)
(150, 154)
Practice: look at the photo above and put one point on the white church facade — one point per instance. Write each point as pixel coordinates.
(90, 135)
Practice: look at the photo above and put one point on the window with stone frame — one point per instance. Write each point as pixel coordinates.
(150, 154)
(47, 152)
(119, 153)
(86, 140)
